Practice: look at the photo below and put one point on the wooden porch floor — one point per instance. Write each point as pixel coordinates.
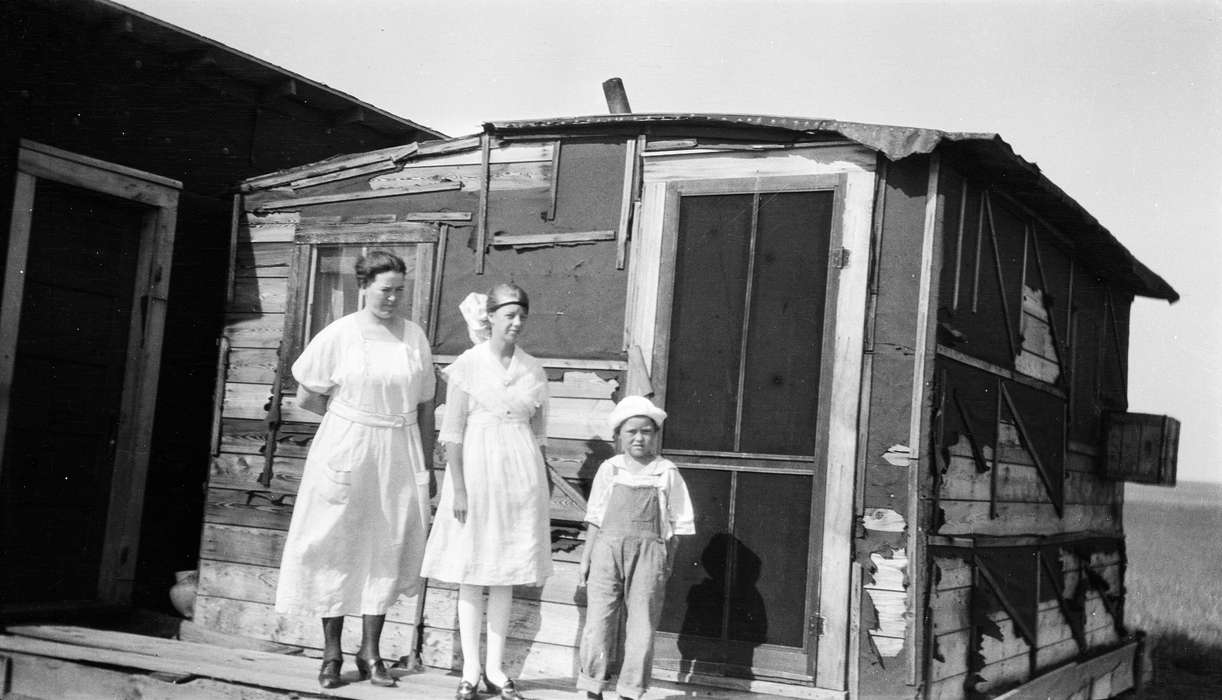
(61, 661)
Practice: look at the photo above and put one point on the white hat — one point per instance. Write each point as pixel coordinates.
(630, 406)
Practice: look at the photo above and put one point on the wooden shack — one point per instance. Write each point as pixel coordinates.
(894, 360)
(122, 138)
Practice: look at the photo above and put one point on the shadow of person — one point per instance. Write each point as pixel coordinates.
(597, 452)
(725, 617)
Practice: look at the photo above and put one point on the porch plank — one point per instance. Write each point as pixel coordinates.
(61, 656)
(43, 677)
(152, 654)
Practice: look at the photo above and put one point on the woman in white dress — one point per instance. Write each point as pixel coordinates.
(357, 535)
(492, 523)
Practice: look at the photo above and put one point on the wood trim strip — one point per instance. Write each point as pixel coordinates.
(371, 233)
(863, 422)
(437, 148)
(1001, 280)
(425, 284)
(235, 224)
(14, 290)
(347, 174)
(355, 196)
(93, 163)
(1021, 624)
(439, 269)
(283, 177)
(141, 187)
(485, 179)
(832, 512)
(959, 243)
(218, 392)
(138, 403)
(296, 305)
(1024, 435)
(978, 541)
(745, 324)
(554, 185)
(542, 239)
(1062, 604)
(1112, 329)
(434, 216)
(628, 197)
(963, 358)
(924, 356)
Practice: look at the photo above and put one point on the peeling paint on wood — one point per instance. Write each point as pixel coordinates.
(889, 597)
(898, 455)
(883, 520)
(1038, 355)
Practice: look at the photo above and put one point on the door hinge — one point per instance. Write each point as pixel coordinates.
(840, 258)
(815, 625)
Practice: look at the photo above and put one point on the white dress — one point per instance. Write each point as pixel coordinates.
(358, 530)
(498, 415)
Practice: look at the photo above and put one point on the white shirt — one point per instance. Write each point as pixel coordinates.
(663, 475)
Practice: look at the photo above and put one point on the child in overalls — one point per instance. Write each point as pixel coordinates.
(637, 505)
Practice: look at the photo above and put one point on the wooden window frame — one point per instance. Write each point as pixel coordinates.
(36, 161)
(303, 263)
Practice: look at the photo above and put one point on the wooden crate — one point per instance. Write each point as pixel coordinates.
(1141, 447)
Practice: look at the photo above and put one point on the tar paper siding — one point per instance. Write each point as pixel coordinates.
(1027, 560)
(570, 285)
(884, 512)
(582, 326)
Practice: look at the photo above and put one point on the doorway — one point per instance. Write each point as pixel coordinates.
(81, 322)
(745, 357)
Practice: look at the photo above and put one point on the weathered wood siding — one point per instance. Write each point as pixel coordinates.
(1075, 610)
(1027, 564)
(96, 80)
(578, 336)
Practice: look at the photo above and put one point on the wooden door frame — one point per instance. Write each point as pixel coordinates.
(831, 530)
(36, 162)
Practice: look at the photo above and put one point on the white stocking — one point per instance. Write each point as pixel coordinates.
(500, 600)
(470, 615)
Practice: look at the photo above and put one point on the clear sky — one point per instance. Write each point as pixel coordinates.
(1120, 104)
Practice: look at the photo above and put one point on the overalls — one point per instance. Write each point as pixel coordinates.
(628, 569)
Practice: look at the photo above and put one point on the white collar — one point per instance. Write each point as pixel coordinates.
(656, 467)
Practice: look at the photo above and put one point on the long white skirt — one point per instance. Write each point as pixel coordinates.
(506, 539)
(357, 535)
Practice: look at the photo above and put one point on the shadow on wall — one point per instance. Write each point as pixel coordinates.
(725, 617)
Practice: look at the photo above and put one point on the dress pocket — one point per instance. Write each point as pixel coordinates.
(336, 484)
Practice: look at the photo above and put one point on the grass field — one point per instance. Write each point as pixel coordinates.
(1174, 541)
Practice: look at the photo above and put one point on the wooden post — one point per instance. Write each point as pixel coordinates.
(481, 232)
(919, 478)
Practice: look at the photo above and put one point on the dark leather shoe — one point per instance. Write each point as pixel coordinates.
(465, 691)
(509, 691)
(374, 671)
(328, 675)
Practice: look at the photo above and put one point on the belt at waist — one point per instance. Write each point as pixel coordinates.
(374, 420)
(494, 419)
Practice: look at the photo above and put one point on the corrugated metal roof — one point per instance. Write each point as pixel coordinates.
(994, 158)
